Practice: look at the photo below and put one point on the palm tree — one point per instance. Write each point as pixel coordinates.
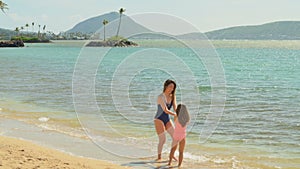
(39, 31)
(32, 24)
(44, 28)
(3, 6)
(121, 11)
(104, 23)
(22, 28)
(17, 30)
(27, 25)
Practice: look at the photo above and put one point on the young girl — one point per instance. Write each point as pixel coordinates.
(179, 135)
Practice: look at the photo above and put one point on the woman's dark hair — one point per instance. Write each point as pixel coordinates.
(182, 115)
(166, 84)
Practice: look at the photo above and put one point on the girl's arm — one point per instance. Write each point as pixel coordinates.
(175, 118)
(163, 106)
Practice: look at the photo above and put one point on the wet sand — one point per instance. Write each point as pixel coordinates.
(15, 153)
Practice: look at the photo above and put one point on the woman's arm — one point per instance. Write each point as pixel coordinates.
(161, 102)
(174, 103)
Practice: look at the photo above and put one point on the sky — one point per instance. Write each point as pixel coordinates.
(205, 15)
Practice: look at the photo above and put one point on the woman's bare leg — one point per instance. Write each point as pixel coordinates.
(160, 130)
(170, 128)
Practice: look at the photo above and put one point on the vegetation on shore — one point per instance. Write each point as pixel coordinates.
(31, 37)
(28, 39)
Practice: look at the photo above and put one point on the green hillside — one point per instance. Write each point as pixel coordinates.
(283, 30)
(5, 34)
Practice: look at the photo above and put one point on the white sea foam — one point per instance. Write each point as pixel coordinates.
(68, 131)
(219, 161)
(44, 119)
(197, 158)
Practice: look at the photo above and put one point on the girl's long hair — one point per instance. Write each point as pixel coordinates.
(166, 84)
(183, 115)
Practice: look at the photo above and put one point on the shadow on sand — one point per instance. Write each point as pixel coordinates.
(152, 164)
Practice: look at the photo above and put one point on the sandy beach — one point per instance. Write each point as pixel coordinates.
(16, 154)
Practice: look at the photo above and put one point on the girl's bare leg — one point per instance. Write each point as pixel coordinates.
(170, 130)
(173, 149)
(181, 150)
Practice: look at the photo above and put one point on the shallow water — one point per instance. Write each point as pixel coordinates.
(259, 127)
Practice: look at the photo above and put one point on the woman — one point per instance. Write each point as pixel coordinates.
(162, 121)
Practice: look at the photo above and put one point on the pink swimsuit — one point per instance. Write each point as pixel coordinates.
(179, 131)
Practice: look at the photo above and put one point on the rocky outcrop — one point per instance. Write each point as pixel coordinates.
(13, 43)
(37, 41)
(121, 43)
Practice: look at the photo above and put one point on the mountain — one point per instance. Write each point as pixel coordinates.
(5, 34)
(91, 25)
(94, 25)
(282, 30)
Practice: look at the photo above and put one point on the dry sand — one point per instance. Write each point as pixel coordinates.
(21, 154)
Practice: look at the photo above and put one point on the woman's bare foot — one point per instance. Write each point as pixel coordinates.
(158, 159)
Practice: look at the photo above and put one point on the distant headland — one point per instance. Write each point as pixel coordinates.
(85, 30)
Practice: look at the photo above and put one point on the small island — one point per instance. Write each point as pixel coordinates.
(112, 43)
(19, 41)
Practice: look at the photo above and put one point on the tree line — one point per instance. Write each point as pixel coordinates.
(4, 6)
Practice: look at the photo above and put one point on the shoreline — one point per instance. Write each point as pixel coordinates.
(54, 140)
(19, 153)
(42, 141)
(70, 147)
(283, 44)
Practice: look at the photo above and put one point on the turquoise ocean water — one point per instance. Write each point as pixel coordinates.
(259, 127)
